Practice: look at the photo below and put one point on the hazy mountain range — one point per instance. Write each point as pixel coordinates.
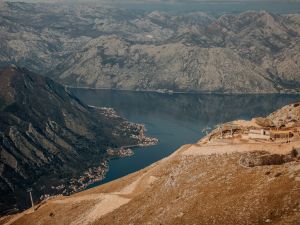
(98, 47)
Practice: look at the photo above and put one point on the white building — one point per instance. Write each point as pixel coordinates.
(259, 134)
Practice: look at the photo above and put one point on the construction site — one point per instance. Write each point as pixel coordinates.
(257, 130)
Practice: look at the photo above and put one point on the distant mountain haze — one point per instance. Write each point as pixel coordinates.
(54, 143)
(103, 47)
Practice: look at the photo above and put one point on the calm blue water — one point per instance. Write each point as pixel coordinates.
(175, 119)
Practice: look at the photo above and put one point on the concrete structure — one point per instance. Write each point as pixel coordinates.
(281, 134)
(263, 134)
(259, 134)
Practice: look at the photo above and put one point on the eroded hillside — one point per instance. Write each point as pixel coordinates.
(228, 177)
(52, 142)
(92, 46)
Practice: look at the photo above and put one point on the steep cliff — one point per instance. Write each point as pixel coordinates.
(51, 141)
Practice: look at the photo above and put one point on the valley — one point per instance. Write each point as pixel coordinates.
(152, 112)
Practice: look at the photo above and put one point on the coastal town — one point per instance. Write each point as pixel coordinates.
(241, 171)
(150, 112)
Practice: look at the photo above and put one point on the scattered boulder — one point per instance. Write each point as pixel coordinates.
(278, 174)
(264, 159)
(264, 122)
(296, 153)
(287, 115)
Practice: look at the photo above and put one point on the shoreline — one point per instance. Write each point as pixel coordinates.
(170, 92)
(238, 150)
(137, 182)
(93, 174)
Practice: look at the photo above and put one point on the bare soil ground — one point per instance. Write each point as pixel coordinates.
(202, 183)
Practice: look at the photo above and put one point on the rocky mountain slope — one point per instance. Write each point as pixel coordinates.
(227, 180)
(92, 46)
(50, 141)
